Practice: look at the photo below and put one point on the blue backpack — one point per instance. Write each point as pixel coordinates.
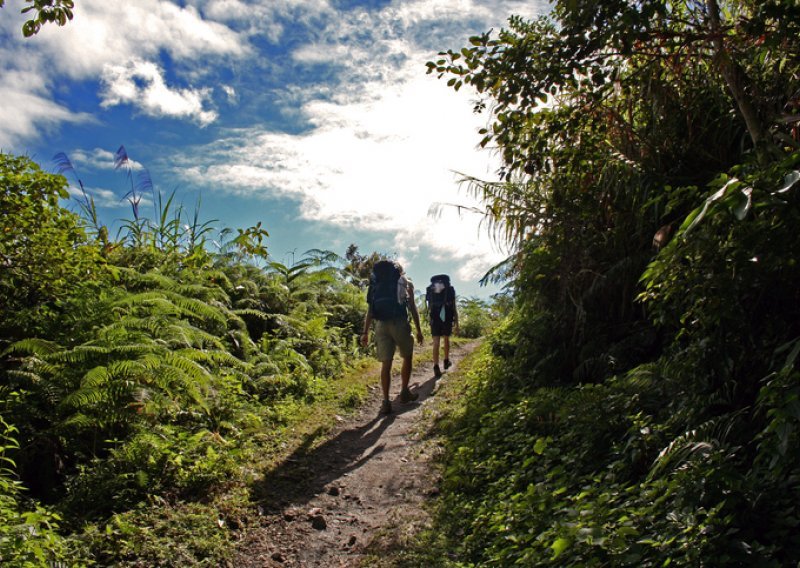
(382, 294)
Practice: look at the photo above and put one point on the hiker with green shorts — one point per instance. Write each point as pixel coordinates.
(389, 299)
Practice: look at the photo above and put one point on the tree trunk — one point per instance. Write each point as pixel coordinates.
(734, 76)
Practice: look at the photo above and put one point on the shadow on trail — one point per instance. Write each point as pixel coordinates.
(309, 470)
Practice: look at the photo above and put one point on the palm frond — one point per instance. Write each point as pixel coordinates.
(323, 256)
(695, 443)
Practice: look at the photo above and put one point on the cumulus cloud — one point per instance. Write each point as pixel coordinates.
(377, 164)
(120, 43)
(141, 83)
(384, 140)
(113, 33)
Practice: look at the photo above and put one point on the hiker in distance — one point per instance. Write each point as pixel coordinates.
(440, 298)
(389, 299)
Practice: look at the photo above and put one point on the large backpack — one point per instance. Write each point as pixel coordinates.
(440, 294)
(383, 295)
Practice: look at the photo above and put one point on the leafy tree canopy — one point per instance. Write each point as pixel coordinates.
(44, 250)
(45, 11)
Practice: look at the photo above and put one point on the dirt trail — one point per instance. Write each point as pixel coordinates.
(368, 478)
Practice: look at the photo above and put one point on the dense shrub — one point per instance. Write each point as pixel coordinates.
(640, 405)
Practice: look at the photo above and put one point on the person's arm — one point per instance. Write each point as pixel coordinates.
(412, 304)
(455, 312)
(367, 325)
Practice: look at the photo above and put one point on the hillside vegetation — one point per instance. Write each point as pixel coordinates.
(641, 406)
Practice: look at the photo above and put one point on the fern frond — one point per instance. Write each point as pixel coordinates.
(217, 357)
(218, 278)
(41, 367)
(196, 308)
(192, 369)
(183, 334)
(149, 299)
(23, 376)
(180, 376)
(127, 323)
(83, 398)
(128, 369)
(202, 292)
(251, 312)
(96, 377)
(78, 421)
(132, 350)
(32, 346)
(158, 280)
(79, 355)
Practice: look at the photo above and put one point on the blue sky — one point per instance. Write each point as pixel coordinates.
(315, 117)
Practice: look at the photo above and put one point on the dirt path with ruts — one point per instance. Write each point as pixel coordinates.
(331, 504)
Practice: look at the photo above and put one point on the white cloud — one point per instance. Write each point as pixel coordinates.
(28, 112)
(385, 139)
(379, 139)
(377, 163)
(141, 83)
(98, 159)
(113, 40)
(268, 19)
(230, 92)
(104, 198)
(113, 33)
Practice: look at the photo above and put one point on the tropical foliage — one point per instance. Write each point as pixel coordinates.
(640, 405)
(476, 317)
(135, 369)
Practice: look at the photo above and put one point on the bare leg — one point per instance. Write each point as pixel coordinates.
(446, 348)
(436, 339)
(405, 372)
(386, 377)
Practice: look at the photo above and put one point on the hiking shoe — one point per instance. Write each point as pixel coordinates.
(437, 372)
(447, 364)
(386, 407)
(407, 396)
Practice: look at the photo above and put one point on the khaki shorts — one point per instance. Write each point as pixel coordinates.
(391, 334)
